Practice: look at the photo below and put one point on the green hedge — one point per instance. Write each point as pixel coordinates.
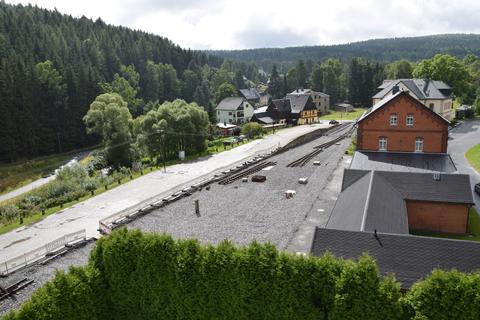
(141, 276)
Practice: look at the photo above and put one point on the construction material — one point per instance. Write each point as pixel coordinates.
(290, 193)
(259, 178)
(303, 180)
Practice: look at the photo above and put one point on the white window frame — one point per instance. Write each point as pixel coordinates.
(382, 144)
(419, 144)
(410, 116)
(393, 119)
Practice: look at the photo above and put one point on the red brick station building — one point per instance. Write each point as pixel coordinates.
(401, 123)
(401, 127)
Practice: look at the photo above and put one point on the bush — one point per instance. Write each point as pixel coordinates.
(131, 275)
(9, 212)
(252, 129)
(446, 295)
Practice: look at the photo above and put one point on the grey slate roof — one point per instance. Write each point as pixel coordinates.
(230, 103)
(385, 101)
(250, 94)
(282, 105)
(409, 257)
(422, 88)
(300, 102)
(375, 200)
(407, 162)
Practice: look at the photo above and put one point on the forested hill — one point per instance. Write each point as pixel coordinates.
(43, 102)
(381, 50)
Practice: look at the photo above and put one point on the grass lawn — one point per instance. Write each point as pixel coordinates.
(337, 115)
(473, 156)
(473, 229)
(16, 175)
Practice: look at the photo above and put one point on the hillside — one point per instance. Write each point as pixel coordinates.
(43, 103)
(382, 50)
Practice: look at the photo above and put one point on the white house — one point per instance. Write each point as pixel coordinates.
(234, 110)
(436, 95)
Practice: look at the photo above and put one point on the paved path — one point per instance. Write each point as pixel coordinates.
(462, 138)
(86, 214)
(40, 182)
(29, 187)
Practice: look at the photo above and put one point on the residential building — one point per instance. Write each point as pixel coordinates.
(402, 202)
(409, 258)
(227, 129)
(436, 95)
(303, 110)
(281, 109)
(251, 95)
(401, 123)
(263, 116)
(234, 110)
(320, 99)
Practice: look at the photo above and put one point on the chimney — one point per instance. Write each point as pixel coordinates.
(395, 89)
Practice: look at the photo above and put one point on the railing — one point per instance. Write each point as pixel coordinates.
(32, 256)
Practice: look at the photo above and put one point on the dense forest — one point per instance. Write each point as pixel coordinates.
(53, 66)
(381, 50)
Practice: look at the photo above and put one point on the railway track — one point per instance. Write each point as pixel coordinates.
(300, 162)
(12, 289)
(247, 172)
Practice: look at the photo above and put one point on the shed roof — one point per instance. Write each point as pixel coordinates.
(403, 161)
(409, 257)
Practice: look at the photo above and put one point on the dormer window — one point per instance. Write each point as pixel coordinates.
(393, 119)
(410, 120)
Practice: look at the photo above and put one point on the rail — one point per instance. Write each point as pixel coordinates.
(29, 258)
(302, 161)
(17, 286)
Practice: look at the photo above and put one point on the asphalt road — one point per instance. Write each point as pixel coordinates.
(462, 138)
(87, 214)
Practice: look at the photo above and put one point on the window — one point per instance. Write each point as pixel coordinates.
(431, 105)
(229, 113)
(393, 119)
(410, 120)
(382, 144)
(418, 144)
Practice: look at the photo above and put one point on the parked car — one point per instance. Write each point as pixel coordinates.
(333, 122)
(477, 188)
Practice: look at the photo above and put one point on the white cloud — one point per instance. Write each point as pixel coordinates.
(211, 24)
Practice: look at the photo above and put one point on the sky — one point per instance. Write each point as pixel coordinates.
(244, 24)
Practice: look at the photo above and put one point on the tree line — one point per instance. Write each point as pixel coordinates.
(381, 50)
(131, 275)
(357, 80)
(52, 66)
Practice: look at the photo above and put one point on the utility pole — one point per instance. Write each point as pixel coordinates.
(162, 132)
